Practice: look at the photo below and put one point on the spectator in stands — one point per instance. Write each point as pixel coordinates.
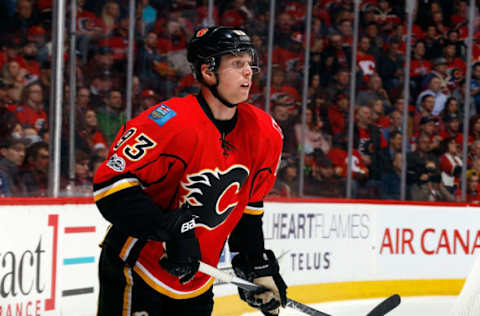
(25, 16)
(337, 113)
(102, 61)
(429, 186)
(452, 128)
(153, 69)
(15, 76)
(324, 181)
(109, 17)
(452, 108)
(30, 63)
(368, 141)
(378, 113)
(83, 99)
(450, 164)
(474, 128)
(237, 14)
(366, 63)
(315, 136)
(12, 152)
(340, 84)
(417, 159)
(473, 193)
(112, 116)
(280, 86)
(440, 71)
(389, 188)
(82, 184)
(375, 91)
(389, 64)
(5, 98)
(435, 90)
(450, 54)
(148, 98)
(35, 173)
(286, 184)
(427, 104)
(395, 124)
(91, 140)
(280, 112)
(31, 112)
(419, 67)
(100, 83)
(475, 86)
(337, 55)
(386, 155)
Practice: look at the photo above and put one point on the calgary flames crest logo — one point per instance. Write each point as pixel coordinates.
(213, 194)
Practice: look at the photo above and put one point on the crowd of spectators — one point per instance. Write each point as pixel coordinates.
(162, 29)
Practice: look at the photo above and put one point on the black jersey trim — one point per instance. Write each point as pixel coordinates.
(255, 177)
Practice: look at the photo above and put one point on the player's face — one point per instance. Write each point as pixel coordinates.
(235, 76)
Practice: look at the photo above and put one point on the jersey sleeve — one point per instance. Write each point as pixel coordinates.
(268, 159)
(137, 183)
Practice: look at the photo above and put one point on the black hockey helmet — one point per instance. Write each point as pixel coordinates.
(209, 44)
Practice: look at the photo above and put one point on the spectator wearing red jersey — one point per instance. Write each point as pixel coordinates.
(452, 128)
(31, 112)
(450, 164)
(290, 57)
(419, 66)
(117, 41)
(337, 113)
(109, 17)
(280, 86)
(30, 63)
(369, 141)
(365, 61)
(450, 54)
(378, 113)
(237, 14)
(148, 98)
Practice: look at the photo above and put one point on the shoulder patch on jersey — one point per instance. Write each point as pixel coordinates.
(117, 163)
(162, 114)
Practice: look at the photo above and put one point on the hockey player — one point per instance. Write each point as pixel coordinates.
(180, 179)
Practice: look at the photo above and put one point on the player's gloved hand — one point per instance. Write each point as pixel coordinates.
(263, 270)
(182, 255)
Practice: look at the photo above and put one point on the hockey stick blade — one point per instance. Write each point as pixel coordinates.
(249, 286)
(385, 306)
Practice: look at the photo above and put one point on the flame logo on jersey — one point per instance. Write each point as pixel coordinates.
(213, 194)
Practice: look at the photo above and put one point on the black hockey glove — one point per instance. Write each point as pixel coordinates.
(182, 255)
(263, 270)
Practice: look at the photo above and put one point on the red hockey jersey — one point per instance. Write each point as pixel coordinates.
(174, 152)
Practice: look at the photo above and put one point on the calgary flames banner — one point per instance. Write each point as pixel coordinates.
(327, 251)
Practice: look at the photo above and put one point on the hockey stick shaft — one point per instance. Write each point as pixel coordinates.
(249, 286)
(381, 309)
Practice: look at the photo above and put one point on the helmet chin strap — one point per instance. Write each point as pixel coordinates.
(214, 90)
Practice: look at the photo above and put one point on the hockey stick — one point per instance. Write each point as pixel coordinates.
(381, 309)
